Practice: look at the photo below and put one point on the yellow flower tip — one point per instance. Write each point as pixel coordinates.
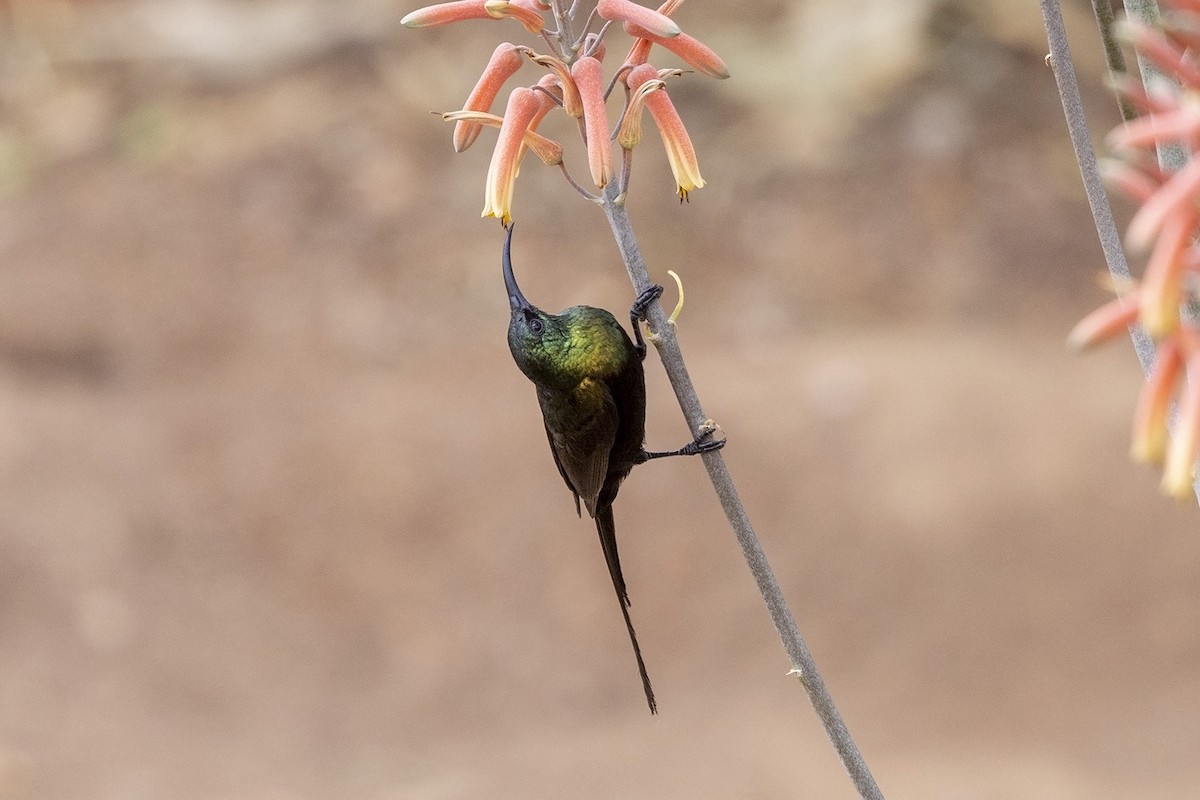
(1160, 320)
(693, 52)
(1149, 441)
(680, 153)
(629, 135)
(444, 14)
(502, 171)
(1148, 449)
(1178, 475)
(524, 13)
(627, 11)
(589, 78)
(1181, 452)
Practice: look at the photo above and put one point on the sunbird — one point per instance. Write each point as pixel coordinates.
(592, 392)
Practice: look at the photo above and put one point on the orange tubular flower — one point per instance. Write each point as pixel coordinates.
(1150, 418)
(546, 102)
(445, 13)
(1132, 181)
(639, 53)
(551, 153)
(1177, 195)
(1182, 124)
(1108, 320)
(1162, 51)
(502, 172)
(694, 53)
(589, 78)
(1162, 291)
(680, 153)
(505, 61)
(628, 11)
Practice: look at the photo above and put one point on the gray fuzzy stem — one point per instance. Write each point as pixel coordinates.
(802, 661)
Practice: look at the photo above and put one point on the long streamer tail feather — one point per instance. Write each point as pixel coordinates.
(608, 540)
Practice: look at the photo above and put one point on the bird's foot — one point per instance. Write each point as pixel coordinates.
(644, 300)
(703, 443)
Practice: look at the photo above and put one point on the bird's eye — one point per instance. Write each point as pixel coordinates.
(535, 325)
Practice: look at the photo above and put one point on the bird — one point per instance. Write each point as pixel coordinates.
(591, 388)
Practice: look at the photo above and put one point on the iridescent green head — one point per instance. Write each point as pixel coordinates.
(560, 350)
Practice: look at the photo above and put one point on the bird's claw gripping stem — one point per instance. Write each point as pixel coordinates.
(643, 301)
(637, 313)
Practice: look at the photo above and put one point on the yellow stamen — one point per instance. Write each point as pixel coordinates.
(679, 305)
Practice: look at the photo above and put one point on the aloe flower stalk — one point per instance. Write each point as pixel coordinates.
(574, 81)
(571, 47)
(1166, 227)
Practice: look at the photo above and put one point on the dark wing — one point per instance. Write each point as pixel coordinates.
(561, 471)
(581, 446)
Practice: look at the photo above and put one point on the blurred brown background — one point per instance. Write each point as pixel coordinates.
(278, 520)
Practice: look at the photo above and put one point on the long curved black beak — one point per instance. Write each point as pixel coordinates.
(516, 300)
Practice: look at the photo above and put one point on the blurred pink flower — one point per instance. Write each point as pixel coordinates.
(1165, 226)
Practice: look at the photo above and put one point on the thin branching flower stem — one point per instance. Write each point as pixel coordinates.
(803, 665)
(1105, 21)
(1093, 184)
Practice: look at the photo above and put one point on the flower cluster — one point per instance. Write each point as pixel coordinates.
(574, 82)
(1165, 228)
